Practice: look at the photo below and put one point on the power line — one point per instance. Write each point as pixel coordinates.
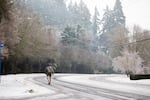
(137, 41)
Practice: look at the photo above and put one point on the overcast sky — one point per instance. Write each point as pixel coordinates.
(136, 11)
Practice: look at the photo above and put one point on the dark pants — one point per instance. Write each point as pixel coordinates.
(49, 77)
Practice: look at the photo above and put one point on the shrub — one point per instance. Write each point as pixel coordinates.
(139, 76)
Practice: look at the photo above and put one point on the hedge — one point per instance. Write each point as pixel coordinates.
(139, 76)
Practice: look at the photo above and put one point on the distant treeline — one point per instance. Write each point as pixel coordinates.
(38, 32)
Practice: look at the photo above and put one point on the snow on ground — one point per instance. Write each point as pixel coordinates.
(125, 79)
(22, 85)
(98, 83)
(17, 86)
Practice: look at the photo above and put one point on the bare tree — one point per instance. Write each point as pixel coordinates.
(117, 40)
(129, 62)
(140, 43)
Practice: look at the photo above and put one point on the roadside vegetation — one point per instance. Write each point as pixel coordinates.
(38, 32)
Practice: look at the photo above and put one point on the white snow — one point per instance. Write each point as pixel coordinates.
(125, 79)
(98, 83)
(17, 86)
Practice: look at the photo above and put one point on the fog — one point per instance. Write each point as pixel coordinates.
(76, 37)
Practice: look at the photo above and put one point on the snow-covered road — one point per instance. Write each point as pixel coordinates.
(73, 87)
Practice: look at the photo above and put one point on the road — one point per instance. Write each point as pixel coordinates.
(91, 87)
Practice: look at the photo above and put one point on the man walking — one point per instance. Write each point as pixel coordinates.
(49, 72)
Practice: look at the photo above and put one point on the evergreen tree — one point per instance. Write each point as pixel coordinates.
(112, 19)
(73, 14)
(119, 17)
(69, 35)
(96, 22)
(79, 15)
(107, 25)
(85, 15)
(107, 21)
(58, 13)
(95, 29)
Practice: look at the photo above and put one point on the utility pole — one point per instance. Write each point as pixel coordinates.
(1, 46)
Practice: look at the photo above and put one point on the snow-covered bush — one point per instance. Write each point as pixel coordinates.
(129, 62)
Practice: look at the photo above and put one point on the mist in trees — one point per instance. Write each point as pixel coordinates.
(27, 42)
(37, 32)
(111, 20)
